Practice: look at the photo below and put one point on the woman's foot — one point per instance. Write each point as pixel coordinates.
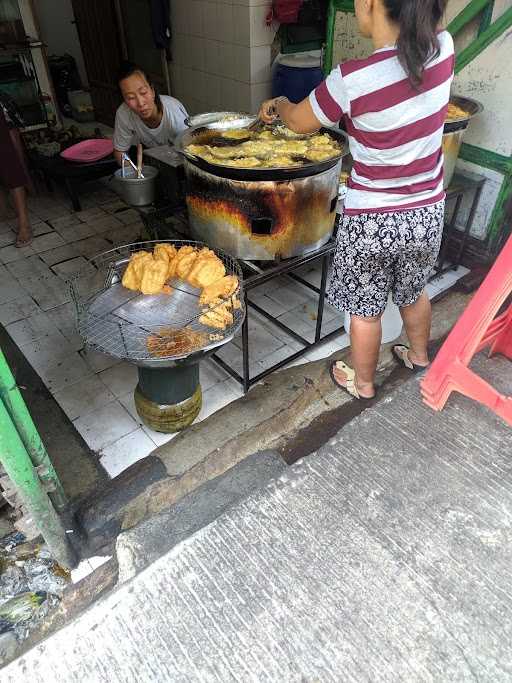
(413, 361)
(24, 237)
(341, 378)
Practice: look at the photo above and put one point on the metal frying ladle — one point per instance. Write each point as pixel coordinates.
(124, 158)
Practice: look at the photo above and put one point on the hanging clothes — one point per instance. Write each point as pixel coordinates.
(161, 23)
(284, 11)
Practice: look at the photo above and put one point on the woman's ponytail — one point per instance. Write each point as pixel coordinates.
(418, 42)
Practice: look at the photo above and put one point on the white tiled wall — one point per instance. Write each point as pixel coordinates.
(221, 54)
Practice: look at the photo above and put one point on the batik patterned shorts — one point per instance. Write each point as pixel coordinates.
(379, 253)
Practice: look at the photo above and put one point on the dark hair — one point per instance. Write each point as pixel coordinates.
(417, 43)
(128, 69)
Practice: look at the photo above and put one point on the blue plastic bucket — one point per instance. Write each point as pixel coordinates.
(295, 82)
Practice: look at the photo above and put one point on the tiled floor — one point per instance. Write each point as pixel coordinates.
(94, 390)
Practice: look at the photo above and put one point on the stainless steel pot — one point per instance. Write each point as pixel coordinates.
(262, 219)
(221, 120)
(261, 213)
(454, 133)
(136, 191)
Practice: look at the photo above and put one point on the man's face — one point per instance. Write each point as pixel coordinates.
(138, 95)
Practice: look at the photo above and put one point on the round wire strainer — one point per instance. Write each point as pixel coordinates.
(154, 329)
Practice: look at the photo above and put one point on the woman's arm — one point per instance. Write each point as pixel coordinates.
(298, 117)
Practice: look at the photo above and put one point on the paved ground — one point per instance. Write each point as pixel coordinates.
(385, 556)
(78, 468)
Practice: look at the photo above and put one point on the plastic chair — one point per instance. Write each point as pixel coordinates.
(477, 329)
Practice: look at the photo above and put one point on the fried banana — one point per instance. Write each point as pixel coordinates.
(205, 271)
(154, 277)
(223, 289)
(132, 276)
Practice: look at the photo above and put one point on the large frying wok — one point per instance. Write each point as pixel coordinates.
(204, 136)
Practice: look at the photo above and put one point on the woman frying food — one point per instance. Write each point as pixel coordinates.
(145, 116)
(393, 105)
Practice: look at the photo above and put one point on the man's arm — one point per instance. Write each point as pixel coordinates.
(118, 155)
(123, 135)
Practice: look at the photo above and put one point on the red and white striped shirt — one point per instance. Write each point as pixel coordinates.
(395, 131)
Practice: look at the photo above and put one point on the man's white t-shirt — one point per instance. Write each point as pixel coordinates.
(130, 129)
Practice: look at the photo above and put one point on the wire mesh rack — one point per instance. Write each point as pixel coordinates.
(153, 329)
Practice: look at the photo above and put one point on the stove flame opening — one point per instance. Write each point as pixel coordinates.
(262, 226)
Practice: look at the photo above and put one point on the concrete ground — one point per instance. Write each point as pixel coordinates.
(155, 503)
(79, 470)
(293, 411)
(383, 556)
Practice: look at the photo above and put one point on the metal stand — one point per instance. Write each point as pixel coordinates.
(259, 276)
(459, 188)
(168, 399)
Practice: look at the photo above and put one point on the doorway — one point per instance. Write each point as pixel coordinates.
(99, 30)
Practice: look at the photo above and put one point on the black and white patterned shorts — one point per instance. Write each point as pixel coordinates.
(378, 253)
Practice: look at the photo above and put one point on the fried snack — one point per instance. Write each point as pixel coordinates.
(320, 140)
(205, 251)
(197, 150)
(184, 261)
(265, 135)
(175, 342)
(207, 156)
(269, 149)
(222, 289)
(244, 162)
(456, 112)
(167, 253)
(219, 317)
(164, 251)
(154, 276)
(226, 152)
(132, 276)
(256, 148)
(286, 132)
(206, 270)
(277, 160)
(291, 146)
(236, 134)
(321, 154)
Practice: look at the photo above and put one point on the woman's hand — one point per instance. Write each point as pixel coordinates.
(298, 117)
(268, 111)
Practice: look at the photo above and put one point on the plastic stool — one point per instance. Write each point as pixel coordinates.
(476, 329)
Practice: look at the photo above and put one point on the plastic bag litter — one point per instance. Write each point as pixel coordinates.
(19, 609)
(31, 583)
(9, 542)
(46, 575)
(12, 581)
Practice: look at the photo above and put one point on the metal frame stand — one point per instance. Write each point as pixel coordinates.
(460, 186)
(259, 276)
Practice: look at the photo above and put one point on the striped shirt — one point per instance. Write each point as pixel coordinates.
(395, 131)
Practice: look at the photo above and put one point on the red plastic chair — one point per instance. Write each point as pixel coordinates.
(475, 330)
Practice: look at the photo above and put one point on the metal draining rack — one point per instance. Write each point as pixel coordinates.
(119, 322)
(257, 276)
